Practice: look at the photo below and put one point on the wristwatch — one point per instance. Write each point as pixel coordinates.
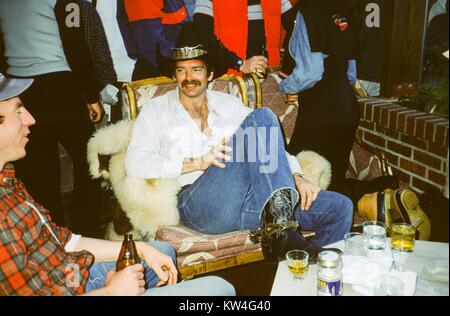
(239, 63)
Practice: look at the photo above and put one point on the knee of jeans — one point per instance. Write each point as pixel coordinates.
(166, 248)
(223, 287)
(346, 209)
(264, 113)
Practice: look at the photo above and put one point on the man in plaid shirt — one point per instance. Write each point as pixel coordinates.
(37, 257)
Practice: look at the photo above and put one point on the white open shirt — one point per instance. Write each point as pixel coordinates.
(164, 134)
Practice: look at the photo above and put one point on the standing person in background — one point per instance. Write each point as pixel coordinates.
(123, 64)
(325, 45)
(64, 99)
(372, 42)
(250, 30)
(150, 29)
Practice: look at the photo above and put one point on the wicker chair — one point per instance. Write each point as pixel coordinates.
(197, 253)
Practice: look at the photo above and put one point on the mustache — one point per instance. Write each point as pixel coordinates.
(188, 82)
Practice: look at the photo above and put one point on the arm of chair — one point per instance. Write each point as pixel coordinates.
(132, 102)
(129, 90)
(258, 90)
(242, 88)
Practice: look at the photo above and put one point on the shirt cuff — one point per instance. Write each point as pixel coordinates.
(294, 164)
(70, 246)
(173, 167)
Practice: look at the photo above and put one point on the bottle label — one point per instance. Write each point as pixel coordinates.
(329, 288)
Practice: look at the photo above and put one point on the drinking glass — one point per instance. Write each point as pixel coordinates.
(355, 244)
(297, 262)
(403, 237)
(375, 233)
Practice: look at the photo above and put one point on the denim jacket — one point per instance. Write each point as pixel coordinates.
(309, 66)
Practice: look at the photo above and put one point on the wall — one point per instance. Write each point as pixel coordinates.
(415, 143)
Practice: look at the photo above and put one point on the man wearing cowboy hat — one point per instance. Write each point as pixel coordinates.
(231, 162)
(40, 258)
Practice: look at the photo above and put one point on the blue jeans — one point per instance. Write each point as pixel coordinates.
(231, 199)
(190, 7)
(207, 286)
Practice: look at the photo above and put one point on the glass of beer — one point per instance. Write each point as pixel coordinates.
(403, 237)
(297, 262)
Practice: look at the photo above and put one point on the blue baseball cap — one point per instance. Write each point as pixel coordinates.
(10, 88)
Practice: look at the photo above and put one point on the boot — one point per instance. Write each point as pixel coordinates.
(379, 206)
(279, 230)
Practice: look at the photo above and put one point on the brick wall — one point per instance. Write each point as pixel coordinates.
(415, 143)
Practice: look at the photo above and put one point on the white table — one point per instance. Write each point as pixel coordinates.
(425, 252)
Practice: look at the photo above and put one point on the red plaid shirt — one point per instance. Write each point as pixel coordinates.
(32, 262)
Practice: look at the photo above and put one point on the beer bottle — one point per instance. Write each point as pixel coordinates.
(265, 54)
(128, 255)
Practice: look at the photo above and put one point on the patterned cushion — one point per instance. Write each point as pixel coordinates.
(363, 165)
(194, 247)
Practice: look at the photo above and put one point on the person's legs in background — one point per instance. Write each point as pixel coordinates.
(85, 210)
(61, 116)
(40, 169)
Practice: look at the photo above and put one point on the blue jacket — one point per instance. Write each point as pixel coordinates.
(150, 31)
(309, 66)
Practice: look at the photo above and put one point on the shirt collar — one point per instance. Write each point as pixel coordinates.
(212, 104)
(7, 175)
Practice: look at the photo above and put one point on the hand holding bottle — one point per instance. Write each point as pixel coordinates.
(127, 282)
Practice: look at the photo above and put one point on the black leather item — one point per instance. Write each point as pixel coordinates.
(279, 211)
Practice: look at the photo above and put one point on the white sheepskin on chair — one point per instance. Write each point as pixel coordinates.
(148, 204)
(108, 140)
(316, 168)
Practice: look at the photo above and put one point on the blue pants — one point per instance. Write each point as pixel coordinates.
(206, 286)
(231, 199)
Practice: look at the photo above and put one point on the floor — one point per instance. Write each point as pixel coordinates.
(254, 279)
